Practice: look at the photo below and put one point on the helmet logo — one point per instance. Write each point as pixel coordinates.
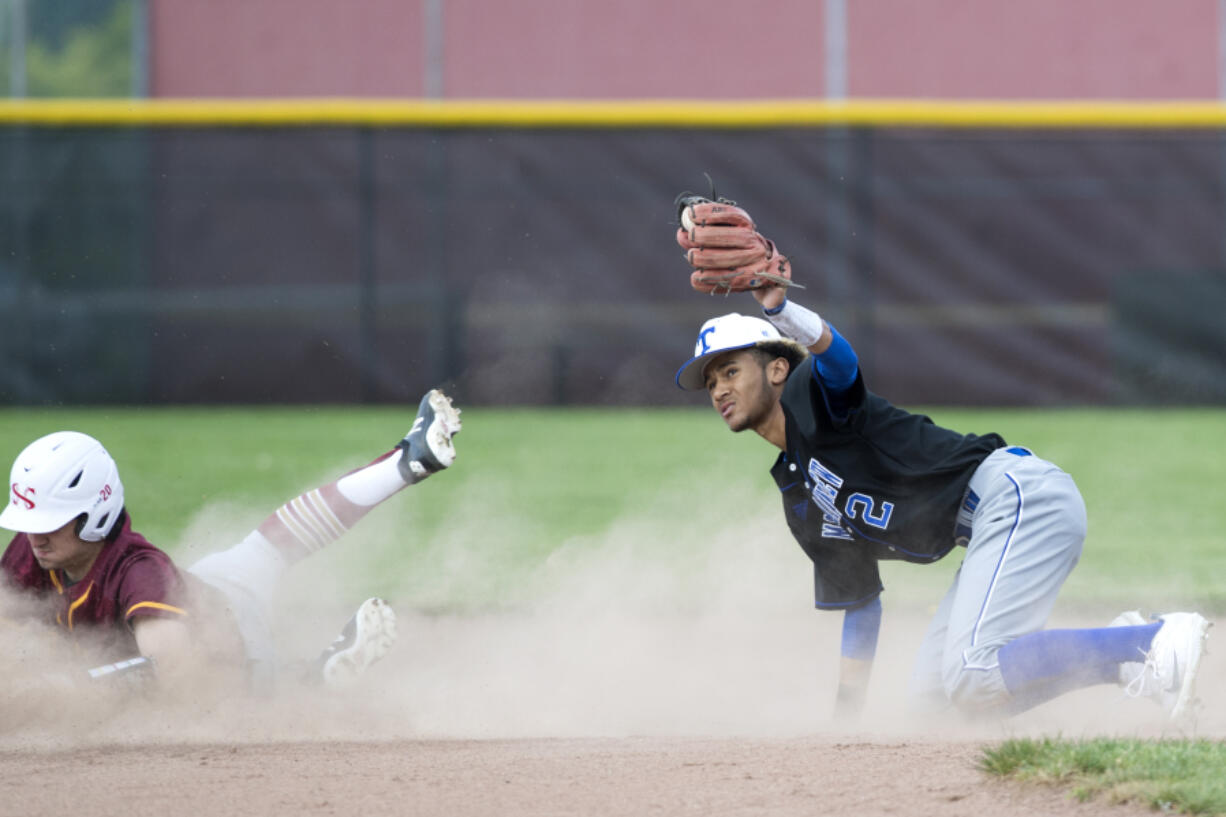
(18, 496)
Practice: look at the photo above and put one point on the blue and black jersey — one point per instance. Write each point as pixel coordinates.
(863, 480)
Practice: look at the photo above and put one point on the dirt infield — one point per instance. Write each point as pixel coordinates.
(530, 714)
(633, 776)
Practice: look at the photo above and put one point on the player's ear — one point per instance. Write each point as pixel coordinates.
(777, 371)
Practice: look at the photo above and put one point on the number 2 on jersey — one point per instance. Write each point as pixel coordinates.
(864, 506)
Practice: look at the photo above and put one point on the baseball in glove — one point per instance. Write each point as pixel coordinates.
(725, 249)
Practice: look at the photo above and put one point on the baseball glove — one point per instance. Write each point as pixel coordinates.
(725, 249)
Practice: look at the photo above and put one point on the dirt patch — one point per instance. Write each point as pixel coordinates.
(519, 714)
(632, 776)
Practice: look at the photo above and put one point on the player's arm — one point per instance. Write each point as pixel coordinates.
(167, 642)
(814, 333)
(159, 640)
(861, 626)
(794, 321)
(835, 362)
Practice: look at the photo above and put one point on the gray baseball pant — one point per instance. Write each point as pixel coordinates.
(1026, 523)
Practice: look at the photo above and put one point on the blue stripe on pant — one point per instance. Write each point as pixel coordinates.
(1026, 533)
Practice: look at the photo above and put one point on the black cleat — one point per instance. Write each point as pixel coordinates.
(428, 446)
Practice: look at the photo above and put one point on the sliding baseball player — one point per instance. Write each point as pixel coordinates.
(103, 584)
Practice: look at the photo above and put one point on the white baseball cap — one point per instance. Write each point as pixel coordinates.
(723, 334)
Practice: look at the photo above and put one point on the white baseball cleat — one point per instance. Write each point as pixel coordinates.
(366, 637)
(1168, 672)
(428, 446)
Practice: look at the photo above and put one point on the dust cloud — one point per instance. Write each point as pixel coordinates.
(663, 624)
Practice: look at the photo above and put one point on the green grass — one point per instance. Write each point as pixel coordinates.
(531, 482)
(1183, 776)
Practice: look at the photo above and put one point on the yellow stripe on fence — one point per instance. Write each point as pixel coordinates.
(612, 114)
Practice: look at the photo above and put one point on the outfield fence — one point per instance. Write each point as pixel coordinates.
(339, 251)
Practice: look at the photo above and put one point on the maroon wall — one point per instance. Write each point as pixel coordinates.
(707, 49)
(285, 48)
(1036, 49)
(632, 48)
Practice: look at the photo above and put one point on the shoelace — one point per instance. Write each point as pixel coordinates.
(1136, 687)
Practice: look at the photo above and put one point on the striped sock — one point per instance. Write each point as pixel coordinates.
(317, 518)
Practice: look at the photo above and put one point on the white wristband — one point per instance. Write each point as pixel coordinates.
(796, 322)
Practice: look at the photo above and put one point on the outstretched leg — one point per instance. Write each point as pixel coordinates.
(250, 572)
(319, 517)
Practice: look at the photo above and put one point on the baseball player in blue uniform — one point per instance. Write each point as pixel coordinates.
(862, 480)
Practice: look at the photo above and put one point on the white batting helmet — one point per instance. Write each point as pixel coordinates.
(60, 477)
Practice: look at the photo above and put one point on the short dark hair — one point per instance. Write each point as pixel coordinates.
(789, 350)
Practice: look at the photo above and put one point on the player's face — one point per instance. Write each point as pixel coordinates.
(62, 549)
(740, 389)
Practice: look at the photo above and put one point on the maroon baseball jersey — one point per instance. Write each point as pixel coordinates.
(130, 578)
